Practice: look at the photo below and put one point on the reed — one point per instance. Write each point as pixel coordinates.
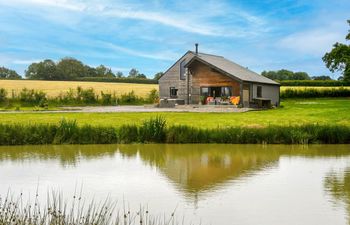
(155, 130)
(74, 211)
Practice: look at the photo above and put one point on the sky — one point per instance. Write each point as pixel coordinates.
(151, 35)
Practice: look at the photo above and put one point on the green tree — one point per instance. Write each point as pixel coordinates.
(157, 75)
(119, 74)
(286, 75)
(45, 70)
(321, 77)
(141, 76)
(301, 76)
(70, 69)
(6, 73)
(133, 73)
(338, 59)
(102, 71)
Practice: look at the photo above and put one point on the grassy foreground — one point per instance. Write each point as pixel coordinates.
(293, 112)
(54, 88)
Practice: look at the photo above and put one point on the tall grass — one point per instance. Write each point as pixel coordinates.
(60, 211)
(155, 130)
(75, 97)
(315, 92)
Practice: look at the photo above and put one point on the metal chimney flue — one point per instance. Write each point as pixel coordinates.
(196, 48)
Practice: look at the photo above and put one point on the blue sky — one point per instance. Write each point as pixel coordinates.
(151, 35)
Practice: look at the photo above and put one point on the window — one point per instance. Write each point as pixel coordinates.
(173, 92)
(226, 91)
(259, 91)
(182, 70)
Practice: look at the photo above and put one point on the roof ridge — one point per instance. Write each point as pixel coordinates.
(202, 53)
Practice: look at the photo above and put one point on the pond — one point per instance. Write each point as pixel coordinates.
(207, 184)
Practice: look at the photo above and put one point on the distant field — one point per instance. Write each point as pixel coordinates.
(54, 88)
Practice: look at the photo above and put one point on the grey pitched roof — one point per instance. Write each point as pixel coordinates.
(231, 68)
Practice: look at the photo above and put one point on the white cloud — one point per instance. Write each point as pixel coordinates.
(157, 55)
(186, 20)
(25, 61)
(313, 42)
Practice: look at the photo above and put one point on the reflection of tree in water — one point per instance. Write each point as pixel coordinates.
(338, 185)
(68, 155)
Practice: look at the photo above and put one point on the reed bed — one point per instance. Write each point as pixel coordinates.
(155, 130)
(74, 211)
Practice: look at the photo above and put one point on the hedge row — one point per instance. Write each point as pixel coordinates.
(315, 92)
(315, 83)
(118, 80)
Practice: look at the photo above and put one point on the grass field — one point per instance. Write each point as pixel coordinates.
(293, 112)
(54, 88)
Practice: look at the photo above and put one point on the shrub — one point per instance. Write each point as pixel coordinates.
(153, 96)
(31, 96)
(153, 130)
(107, 99)
(128, 134)
(130, 99)
(86, 95)
(3, 95)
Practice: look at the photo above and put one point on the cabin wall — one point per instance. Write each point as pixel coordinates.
(268, 91)
(172, 79)
(204, 76)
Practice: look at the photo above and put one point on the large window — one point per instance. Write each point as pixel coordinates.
(182, 70)
(173, 92)
(216, 91)
(259, 91)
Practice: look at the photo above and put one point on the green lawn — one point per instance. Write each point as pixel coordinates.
(294, 112)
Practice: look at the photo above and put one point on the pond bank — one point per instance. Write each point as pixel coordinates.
(155, 130)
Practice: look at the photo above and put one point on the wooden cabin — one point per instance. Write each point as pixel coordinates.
(199, 78)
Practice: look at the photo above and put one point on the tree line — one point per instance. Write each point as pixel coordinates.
(290, 75)
(69, 69)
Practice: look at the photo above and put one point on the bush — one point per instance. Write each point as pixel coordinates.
(86, 95)
(108, 99)
(153, 130)
(153, 96)
(130, 99)
(3, 95)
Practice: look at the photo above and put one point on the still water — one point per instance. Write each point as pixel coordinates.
(211, 184)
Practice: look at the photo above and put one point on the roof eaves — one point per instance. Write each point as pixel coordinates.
(175, 63)
(213, 66)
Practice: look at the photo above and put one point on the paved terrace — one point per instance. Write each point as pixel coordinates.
(116, 109)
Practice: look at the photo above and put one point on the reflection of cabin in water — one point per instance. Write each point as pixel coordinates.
(210, 79)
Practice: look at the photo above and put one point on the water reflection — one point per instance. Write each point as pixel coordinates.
(192, 168)
(337, 184)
